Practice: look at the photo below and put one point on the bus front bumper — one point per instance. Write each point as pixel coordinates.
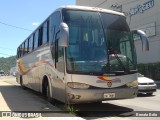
(95, 95)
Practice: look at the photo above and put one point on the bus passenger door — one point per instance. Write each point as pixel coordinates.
(59, 84)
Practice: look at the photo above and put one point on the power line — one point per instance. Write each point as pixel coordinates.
(123, 2)
(6, 48)
(101, 3)
(14, 26)
(127, 2)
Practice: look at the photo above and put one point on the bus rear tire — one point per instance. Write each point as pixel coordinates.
(21, 82)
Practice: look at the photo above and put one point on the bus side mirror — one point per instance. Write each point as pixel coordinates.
(144, 39)
(64, 35)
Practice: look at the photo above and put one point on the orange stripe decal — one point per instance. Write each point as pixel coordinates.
(104, 78)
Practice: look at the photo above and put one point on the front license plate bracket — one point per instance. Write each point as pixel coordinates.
(109, 95)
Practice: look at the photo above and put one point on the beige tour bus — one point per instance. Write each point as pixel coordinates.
(81, 55)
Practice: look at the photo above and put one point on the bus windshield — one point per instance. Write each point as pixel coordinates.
(98, 43)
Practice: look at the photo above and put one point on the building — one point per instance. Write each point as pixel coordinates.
(140, 14)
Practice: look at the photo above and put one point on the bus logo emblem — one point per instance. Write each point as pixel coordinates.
(109, 83)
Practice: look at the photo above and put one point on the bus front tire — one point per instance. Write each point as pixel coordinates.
(46, 90)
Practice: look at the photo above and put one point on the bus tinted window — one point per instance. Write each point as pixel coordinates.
(30, 44)
(27, 42)
(60, 62)
(18, 55)
(55, 20)
(20, 51)
(40, 42)
(36, 39)
(45, 32)
(25, 47)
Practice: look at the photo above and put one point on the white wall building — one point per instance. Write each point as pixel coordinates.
(140, 14)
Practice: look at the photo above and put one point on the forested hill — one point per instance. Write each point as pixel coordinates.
(7, 63)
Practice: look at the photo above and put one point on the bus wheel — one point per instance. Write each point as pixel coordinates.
(46, 90)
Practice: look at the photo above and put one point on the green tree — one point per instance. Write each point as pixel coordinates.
(7, 63)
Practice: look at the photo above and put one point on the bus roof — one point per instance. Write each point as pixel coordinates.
(86, 8)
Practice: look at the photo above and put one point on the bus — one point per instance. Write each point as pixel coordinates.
(81, 55)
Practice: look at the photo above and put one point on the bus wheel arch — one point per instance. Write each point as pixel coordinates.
(46, 89)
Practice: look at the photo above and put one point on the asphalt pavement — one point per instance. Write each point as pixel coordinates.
(14, 99)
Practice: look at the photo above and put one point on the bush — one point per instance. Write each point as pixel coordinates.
(151, 70)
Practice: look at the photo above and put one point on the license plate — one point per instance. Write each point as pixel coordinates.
(109, 95)
(145, 88)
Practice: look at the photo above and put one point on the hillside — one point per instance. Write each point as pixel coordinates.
(7, 63)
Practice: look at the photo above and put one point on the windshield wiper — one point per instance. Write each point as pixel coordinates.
(111, 50)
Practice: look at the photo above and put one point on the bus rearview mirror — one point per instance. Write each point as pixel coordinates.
(144, 39)
(64, 35)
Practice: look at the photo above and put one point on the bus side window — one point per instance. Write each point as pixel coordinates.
(48, 30)
(27, 47)
(20, 51)
(40, 42)
(33, 41)
(45, 32)
(36, 39)
(30, 44)
(55, 21)
(24, 48)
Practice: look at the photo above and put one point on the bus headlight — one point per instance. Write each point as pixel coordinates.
(77, 85)
(132, 84)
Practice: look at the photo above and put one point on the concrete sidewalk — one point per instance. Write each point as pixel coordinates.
(14, 98)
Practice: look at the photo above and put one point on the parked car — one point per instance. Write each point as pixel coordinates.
(146, 85)
(2, 73)
(14, 73)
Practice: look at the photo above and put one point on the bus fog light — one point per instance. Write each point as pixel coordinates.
(71, 96)
(77, 96)
(132, 84)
